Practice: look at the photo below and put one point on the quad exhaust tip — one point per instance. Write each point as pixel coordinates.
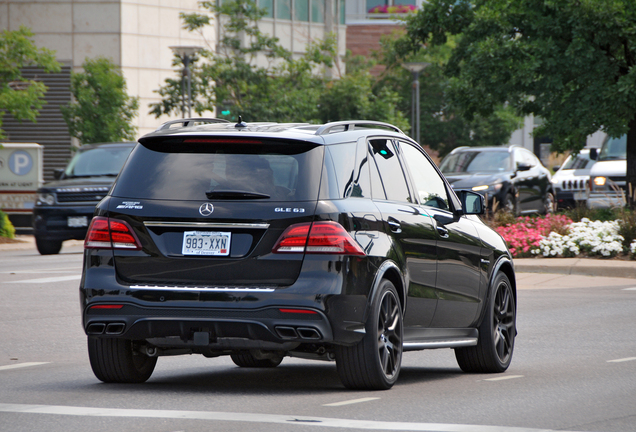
(111, 329)
(305, 333)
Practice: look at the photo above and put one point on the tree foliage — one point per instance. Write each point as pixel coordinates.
(251, 74)
(571, 62)
(102, 110)
(22, 98)
(443, 125)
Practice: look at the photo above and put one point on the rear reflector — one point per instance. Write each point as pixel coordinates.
(107, 306)
(317, 238)
(298, 311)
(107, 233)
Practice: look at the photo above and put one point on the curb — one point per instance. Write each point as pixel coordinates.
(577, 266)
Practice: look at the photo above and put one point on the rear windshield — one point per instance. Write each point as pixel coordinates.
(201, 170)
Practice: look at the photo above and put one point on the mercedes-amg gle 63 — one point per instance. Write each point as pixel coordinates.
(340, 242)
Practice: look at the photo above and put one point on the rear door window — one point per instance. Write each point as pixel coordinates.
(391, 174)
(175, 170)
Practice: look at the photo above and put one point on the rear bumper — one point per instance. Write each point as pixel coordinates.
(219, 329)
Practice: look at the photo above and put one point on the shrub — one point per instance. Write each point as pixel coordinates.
(525, 234)
(6, 227)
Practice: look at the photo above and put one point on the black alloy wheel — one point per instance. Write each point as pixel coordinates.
(375, 362)
(508, 204)
(115, 361)
(497, 332)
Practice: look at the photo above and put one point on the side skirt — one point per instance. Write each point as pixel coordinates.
(431, 338)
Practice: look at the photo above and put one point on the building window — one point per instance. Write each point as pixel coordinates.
(267, 5)
(301, 10)
(283, 9)
(318, 11)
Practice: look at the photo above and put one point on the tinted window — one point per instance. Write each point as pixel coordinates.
(346, 172)
(429, 186)
(476, 161)
(98, 161)
(391, 174)
(186, 171)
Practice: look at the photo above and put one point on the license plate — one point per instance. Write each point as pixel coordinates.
(206, 243)
(580, 195)
(77, 221)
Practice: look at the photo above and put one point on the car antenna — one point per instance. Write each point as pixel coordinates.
(241, 123)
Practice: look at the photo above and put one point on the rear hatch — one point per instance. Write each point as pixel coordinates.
(208, 211)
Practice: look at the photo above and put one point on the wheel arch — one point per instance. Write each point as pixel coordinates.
(505, 266)
(388, 270)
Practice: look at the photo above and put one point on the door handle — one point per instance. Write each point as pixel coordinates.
(443, 232)
(394, 225)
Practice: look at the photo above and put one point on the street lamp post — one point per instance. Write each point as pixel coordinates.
(415, 68)
(185, 53)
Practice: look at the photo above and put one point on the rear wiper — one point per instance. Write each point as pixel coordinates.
(89, 175)
(234, 195)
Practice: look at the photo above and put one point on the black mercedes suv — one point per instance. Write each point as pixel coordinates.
(340, 241)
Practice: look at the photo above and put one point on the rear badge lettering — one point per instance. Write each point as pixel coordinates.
(130, 205)
(289, 210)
(206, 209)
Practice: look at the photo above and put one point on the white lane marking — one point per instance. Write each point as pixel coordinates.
(22, 365)
(629, 289)
(256, 418)
(507, 377)
(622, 360)
(49, 279)
(352, 401)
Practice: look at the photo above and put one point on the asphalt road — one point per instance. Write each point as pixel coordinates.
(574, 368)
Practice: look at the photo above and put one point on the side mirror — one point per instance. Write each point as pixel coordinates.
(472, 203)
(593, 153)
(58, 173)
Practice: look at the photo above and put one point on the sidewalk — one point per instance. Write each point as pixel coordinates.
(565, 266)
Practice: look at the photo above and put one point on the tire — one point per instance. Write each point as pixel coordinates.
(374, 363)
(113, 361)
(244, 358)
(549, 203)
(508, 204)
(493, 352)
(48, 247)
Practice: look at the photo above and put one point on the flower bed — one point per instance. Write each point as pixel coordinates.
(559, 236)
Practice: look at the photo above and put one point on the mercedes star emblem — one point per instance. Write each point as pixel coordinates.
(206, 209)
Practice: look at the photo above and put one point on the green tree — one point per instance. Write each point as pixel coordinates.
(443, 126)
(571, 62)
(22, 98)
(287, 89)
(102, 110)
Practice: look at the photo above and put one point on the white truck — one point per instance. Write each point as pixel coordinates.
(607, 187)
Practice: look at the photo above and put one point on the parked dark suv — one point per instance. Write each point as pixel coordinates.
(512, 178)
(64, 207)
(337, 242)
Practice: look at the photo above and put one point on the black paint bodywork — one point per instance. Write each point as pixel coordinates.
(241, 301)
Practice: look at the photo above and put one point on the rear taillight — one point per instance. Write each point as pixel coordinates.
(317, 238)
(107, 233)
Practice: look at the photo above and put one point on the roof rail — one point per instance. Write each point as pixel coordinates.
(349, 125)
(190, 122)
